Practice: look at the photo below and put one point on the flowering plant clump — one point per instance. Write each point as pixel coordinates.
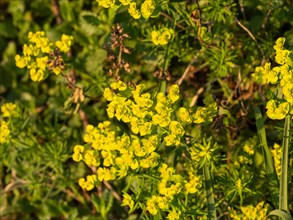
(39, 57)
(154, 110)
(282, 77)
(152, 124)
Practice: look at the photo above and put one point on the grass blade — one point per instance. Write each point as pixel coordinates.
(283, 199)
(280, 213)
(209, 192)
(269, 165)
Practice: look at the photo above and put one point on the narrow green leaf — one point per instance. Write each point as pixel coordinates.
(283, 198)
(209, 192)
(270, 170)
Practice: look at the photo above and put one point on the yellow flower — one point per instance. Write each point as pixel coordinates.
(172, 139)
(282, 56)
(65, 43)
(40, 41)
(166, 35)
(288, 92)
(183, 115)
(90, 158)
(125, 2)
(127, 201)
(77, 155)
(106, 174)
(198, 116)
(42, 62)
(279, 43)
(20, 61)
(174, 93)
(108, 94)
(277, 110)
(162, 37)
(57, 70)
(106, 3)
(147, 8)
(121, 86)
(89, 183)
(151, 205)
(9, 110)
(28, 50)
(248, 149)
(162, 202)
(133, 11)
(37, 75)
(176, 128)
(173, 215)
(251, 212)
(194, 184)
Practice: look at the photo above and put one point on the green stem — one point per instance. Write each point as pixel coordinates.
(283, 196)
(163, 82)
(163, 86)
(209, 192)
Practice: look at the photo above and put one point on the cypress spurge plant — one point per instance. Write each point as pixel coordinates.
(279, 107)
(144, 133)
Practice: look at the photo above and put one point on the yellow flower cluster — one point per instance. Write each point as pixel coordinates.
(277, 155)
(89, 183)
(174, 215)
(281, 75)
(162, 36)
(251, 212)
(205, 114)
(142, 124)
(114, 155)
(146, 8)
(8, 110)
(171, 185)
(4, 132)
(37, 56)
(156, 203)
(194, 183)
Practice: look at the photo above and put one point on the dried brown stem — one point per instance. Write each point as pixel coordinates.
(201, 89)
(115, 194)
(252, 37)
(56, 12)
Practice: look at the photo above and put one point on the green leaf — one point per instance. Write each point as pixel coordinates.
(95, 59)
(7, 29)
(280, 213)
(91, 19)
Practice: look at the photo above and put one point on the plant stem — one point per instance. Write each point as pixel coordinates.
(283, 196)
(163, 82)
(209, 192)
